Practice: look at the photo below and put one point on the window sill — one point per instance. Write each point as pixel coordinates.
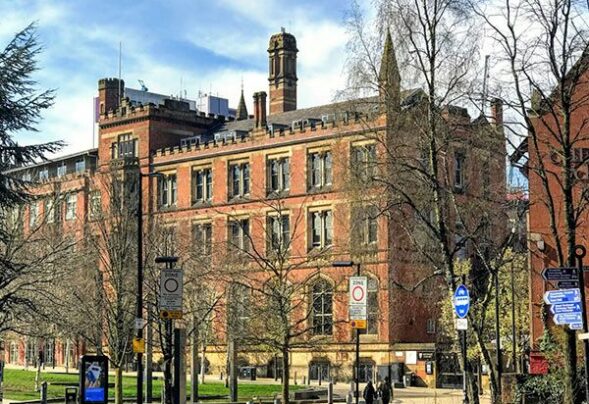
(167, 208)
(277, 194)
(239, 198)
(318, 190)
(202, 203)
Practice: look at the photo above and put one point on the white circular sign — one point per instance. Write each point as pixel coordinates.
(171, 285)
(358, 293)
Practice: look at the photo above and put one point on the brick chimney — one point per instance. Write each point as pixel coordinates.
(260, 117)
(256, 110)
(497, 113)
(110, 91)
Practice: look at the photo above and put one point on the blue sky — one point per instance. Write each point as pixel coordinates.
(172, 45)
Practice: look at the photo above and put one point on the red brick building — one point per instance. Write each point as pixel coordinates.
(545, 160)
(217, 171)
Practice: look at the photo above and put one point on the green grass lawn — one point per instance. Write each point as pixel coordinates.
(20, 385)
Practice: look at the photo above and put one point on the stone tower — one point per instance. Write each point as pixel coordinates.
(282, 75)
(110, 92)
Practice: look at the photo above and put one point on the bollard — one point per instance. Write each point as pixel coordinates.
(349, 398)
(304, 380)
(276, 400)
(330, 393)
(44, 393)
(295, 378)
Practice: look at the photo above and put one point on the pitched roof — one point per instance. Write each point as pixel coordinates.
(363, 105)
(241, 112)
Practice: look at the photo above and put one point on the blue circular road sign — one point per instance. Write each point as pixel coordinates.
(461, 301)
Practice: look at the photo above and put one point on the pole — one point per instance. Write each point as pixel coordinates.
(464, 358)
(357, 373)
(149, 360)
(194, 362)
(139, 313)
(498, 336)
(513, 328)
(580, 253)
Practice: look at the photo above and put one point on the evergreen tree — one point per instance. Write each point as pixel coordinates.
(21, 104)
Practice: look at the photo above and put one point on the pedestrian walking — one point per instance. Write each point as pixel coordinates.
(384, 390)
(369, 393)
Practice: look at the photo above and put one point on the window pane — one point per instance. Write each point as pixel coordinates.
(328, 166)
(199, 185)
(235, 174)
(285, 174)
(328, 228)
(274, 175)
(209, 181)
(316, 230)
(316, 170)
(246, 179)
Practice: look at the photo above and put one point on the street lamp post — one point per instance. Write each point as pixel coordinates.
(357, 366)
(139, 308)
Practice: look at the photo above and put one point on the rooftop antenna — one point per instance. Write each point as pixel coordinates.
(282, 29)
(120, 68)
(485, 84)
(143, 86)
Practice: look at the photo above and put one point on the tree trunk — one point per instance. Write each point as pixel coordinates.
(194, 365)
(119, 385)
(285, 373)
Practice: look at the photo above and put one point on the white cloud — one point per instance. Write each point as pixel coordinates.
(321, 42)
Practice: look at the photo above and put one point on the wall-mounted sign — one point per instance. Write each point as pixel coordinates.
(93, 379)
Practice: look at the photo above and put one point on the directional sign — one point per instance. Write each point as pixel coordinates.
(562, 296)
(560, 274)
(567, 318)
(576, 326)
(565, 308)
(568, 284)
(461, 301)
(171, 293)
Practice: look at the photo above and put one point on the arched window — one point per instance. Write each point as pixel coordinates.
(372, 308)
(322, 306)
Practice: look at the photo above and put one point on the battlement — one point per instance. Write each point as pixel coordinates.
(110, 83)
(172, 109)
(331, 124)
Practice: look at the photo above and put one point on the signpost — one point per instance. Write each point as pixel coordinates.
(567, 318)
(358, 301)
(568, 284)
(560, 274)
(562, 296)
(566, 308)
(461, 304)
(171, 281)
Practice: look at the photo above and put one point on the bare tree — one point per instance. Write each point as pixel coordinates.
(105, 288)
(441, 174)
(272, 306)
(542, 60)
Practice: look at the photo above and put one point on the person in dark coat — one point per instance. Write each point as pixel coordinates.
(384, 390)
(369, 393)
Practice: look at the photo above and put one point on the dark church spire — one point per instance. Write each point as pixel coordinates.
(389, 79)
(241, 112)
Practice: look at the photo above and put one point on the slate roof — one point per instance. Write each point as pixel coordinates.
(365, 105)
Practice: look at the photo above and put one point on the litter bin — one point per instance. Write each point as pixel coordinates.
(408, 379)
(247, 373)
(71, 395)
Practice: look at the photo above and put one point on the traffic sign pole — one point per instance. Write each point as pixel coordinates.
(580, 252)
